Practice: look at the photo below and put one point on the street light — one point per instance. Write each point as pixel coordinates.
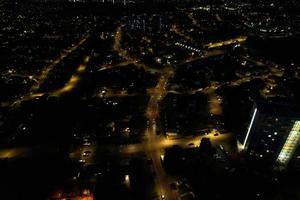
(127, 180)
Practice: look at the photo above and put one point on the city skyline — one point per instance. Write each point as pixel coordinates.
(152, 100)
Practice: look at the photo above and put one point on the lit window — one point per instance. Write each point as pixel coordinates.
(290, 144)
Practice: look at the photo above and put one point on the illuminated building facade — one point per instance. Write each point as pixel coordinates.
(273, 133)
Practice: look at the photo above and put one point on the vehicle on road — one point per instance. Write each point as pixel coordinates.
(87, 144)
(86, 153)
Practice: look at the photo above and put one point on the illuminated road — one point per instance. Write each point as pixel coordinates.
(226, 42)
(154, 144)
(78, 154)
(154, 151)
(69, 85)
(206, 54)
(45, 72)
(114, 93)
(163, 143)
(117, 42)
(13, 153)
(214, 102)
(74, 194)
(44, 75)
(125, 55)
(74, 80)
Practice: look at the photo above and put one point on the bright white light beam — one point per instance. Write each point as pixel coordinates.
(250, 126)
